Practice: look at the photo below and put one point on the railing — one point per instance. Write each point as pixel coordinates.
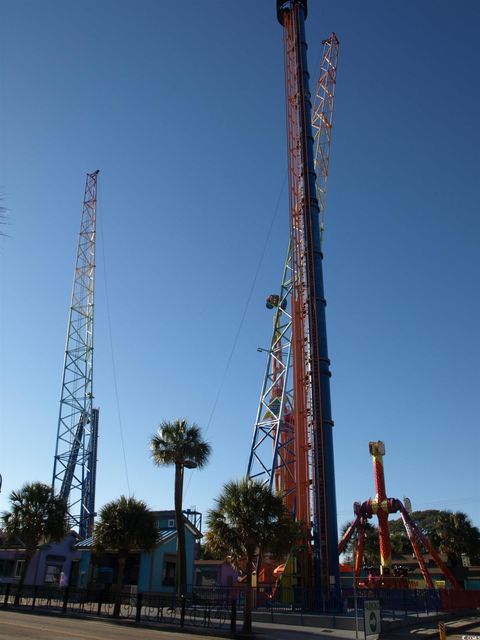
(395, 603)
(216, 607)
(197, 609)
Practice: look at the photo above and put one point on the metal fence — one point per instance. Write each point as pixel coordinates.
(195, 609)
(216, 607)
(395, 603)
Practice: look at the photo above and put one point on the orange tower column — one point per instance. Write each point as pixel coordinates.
(380, 505)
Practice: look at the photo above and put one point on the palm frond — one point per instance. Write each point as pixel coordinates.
(176, 442)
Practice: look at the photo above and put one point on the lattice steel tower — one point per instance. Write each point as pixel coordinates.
(292, 446)
(75, 460)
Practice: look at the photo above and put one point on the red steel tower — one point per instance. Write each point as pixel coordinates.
(294, 413)
(315, 502)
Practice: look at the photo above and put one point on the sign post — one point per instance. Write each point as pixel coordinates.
(371, 612)
(442, 631)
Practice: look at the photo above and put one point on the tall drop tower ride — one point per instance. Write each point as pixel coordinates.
(74, 469)
(295, 415)
(311, 366)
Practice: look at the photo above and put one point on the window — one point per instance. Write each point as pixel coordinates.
(18, 568)
(169, 564)
(6, 568)
(52, 573)
(209, 578)
(171, 524)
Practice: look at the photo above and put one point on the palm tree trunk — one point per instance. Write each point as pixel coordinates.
(247, 611)
(122, 560)
(28, 557)
(181, 568)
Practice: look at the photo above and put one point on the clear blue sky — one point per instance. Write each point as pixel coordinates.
(181, 107)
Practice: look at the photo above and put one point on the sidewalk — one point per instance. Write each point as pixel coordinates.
(264, 630)
(28, 625)
(467, 628)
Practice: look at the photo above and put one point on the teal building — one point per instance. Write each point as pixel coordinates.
(152, 571)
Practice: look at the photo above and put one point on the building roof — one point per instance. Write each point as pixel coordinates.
(16, 543)
(170, 514)
(85, 544)
(164, 536)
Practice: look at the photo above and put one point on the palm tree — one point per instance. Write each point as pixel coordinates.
(371, 549)
(455, 535)
(180, 444)
(124, 524)
(248, 521)
(37, 515)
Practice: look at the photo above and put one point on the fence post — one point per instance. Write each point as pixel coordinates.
(442, 631)
(139, 607)
(34, 596)
(65, 600)
(99, 606)
(182, 611)
(7, 594)
(233, 616)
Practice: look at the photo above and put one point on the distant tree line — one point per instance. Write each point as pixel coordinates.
(452, 534)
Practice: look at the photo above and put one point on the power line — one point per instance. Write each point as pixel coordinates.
(244, 313)
(114, 369)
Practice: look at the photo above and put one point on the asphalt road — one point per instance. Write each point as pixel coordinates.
(26, 626)
(15, 625)
(29, 626)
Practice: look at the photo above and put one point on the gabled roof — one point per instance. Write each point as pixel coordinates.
(193, 530)
(18, 544)
(170, 514)
(84, 544)
(13, 543)
(164, 513)
(165, 535)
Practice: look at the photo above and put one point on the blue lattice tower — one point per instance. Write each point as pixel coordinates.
(74, 468)
(271, 453)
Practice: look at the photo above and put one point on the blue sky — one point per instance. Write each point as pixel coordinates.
(181, 107)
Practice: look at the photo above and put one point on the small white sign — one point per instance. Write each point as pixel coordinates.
(371, 610)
